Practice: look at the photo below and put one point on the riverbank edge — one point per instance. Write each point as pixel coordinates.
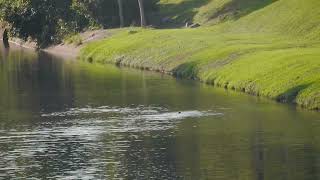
(127, 53)
(61, 50)
(69, 51)
(74, 52)
(195, 78)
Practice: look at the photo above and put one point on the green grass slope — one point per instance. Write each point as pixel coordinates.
(268, 48)
(208, 12)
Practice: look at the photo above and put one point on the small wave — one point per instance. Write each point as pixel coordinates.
(140, 112)
(128, 119)
(89, 134)
(179, 115)
(104, 110)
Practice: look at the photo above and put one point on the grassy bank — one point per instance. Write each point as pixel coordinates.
(270, 49)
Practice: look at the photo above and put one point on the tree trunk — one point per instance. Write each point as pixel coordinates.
(121, 13)
(142, 14)
(5, 38)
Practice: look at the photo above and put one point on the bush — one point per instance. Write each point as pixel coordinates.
(75, 40)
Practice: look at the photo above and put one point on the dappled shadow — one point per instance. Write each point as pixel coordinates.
(238, 8)
(290, 95)
(176, 15)
(182, 12)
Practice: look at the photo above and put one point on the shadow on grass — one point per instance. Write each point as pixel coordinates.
(187, 10)
(181, 12)
(291, 94)
(238, 8)
(186, 70)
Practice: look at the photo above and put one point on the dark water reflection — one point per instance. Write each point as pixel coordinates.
(69, 120)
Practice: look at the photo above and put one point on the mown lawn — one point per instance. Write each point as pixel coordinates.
(273, 51)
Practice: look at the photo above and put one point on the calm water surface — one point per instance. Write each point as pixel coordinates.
(62, 119)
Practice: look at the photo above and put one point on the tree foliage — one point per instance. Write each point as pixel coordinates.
(48, 21)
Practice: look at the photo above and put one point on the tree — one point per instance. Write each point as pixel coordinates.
(121, 13)
(35, 19)
(5, 38)
(50, 21)
(142, 14)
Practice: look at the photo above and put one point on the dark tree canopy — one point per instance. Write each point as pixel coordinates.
(48, 21)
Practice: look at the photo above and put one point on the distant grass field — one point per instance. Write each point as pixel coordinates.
(262, 47)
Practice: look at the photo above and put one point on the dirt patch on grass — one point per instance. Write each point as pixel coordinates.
(71, 50)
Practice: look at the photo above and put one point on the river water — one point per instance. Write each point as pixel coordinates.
(63, 119)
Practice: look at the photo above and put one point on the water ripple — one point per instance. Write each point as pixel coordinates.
(91, 143)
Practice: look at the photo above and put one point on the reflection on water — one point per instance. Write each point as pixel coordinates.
(68, 120)
(79, 140)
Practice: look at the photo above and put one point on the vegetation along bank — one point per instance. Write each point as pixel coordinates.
(268, 48)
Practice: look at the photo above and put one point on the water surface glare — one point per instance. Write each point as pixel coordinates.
(85, 133)
(63, 119)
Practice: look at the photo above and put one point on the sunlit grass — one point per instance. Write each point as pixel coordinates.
(273, 51)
